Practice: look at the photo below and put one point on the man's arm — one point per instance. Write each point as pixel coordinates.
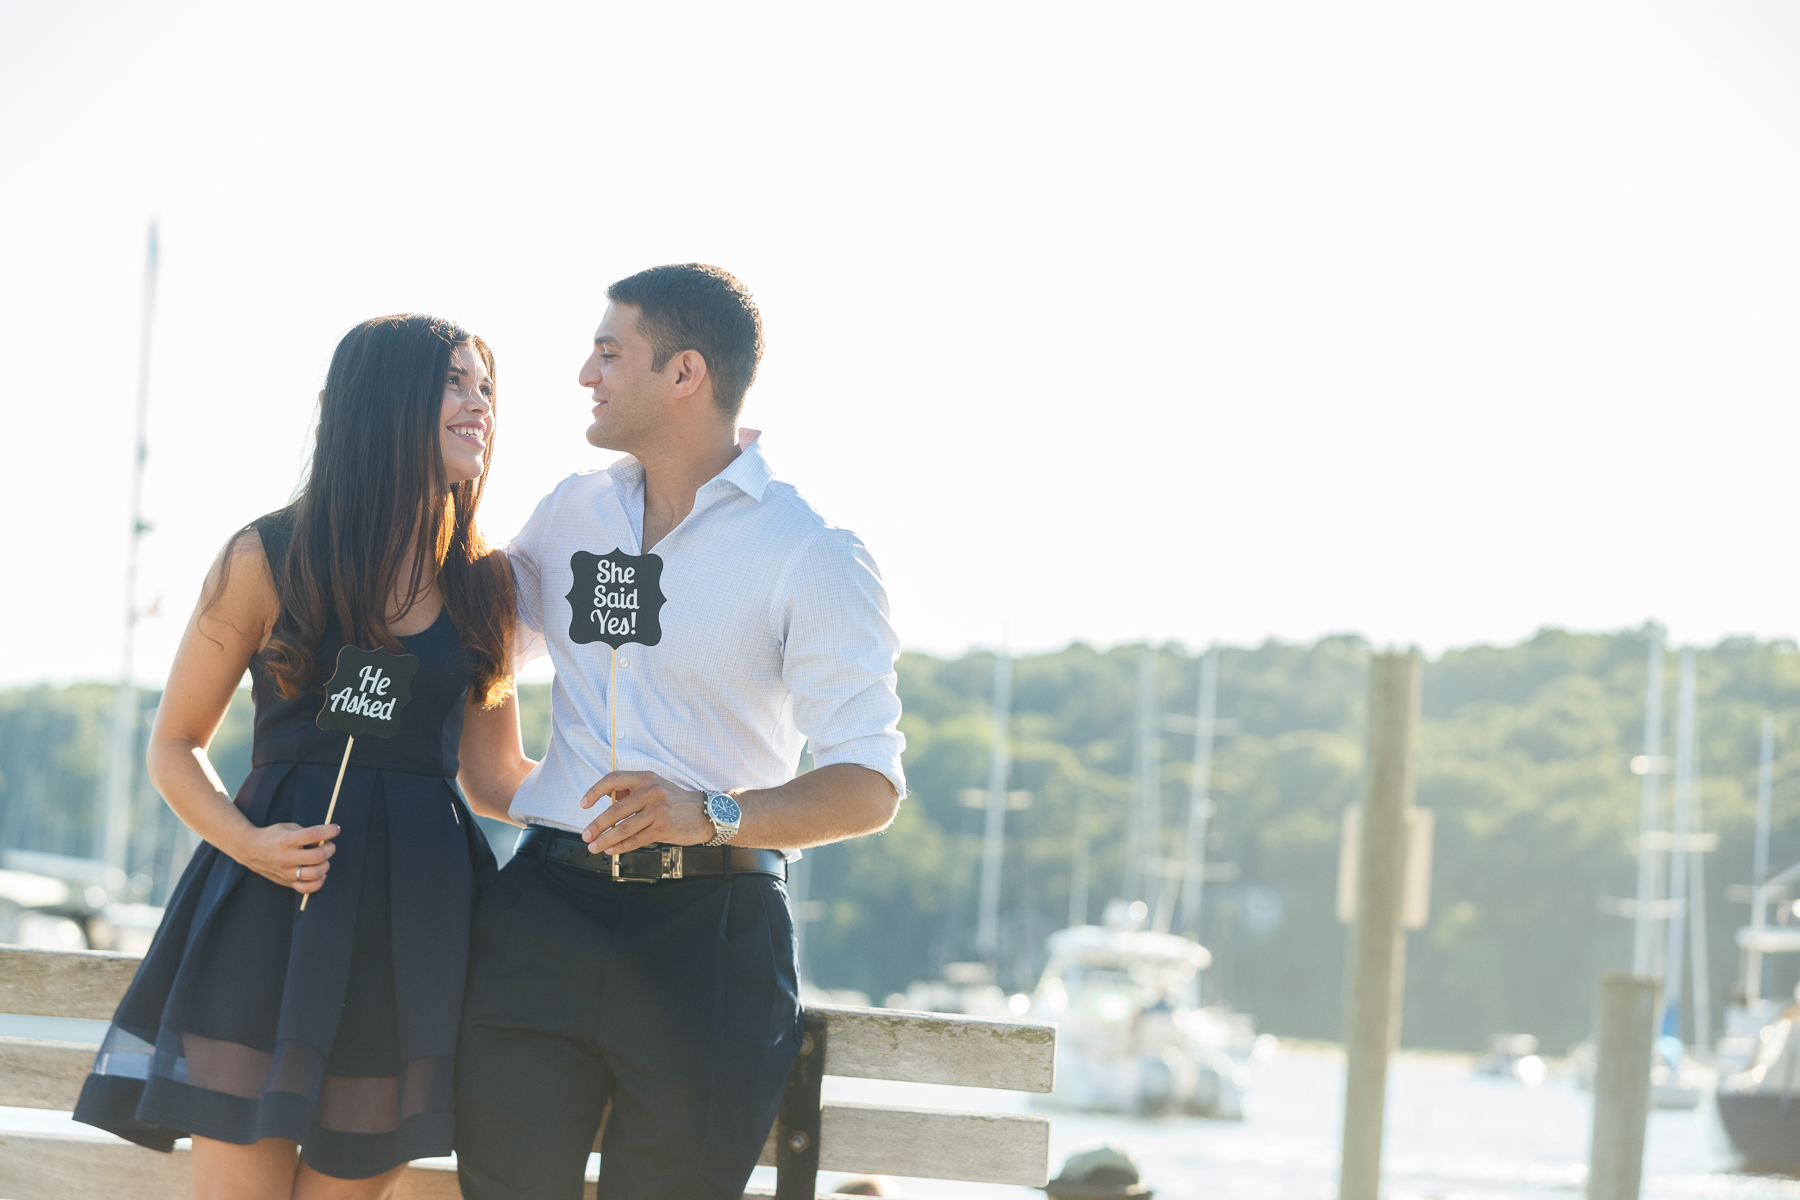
(491, 760)
(838, 652)
(825, 805)
(522, 555)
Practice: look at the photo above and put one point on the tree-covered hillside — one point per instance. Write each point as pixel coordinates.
(1524, 757)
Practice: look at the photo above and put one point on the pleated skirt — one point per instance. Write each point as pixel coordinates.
(335, 1027)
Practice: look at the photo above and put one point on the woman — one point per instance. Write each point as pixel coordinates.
(257, 1027)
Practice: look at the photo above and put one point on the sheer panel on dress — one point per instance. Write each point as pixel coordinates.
(343, 1103)
(124, 1054)
(298, 1068)
(379, 1103)
(221, 1066)
(360, 1104)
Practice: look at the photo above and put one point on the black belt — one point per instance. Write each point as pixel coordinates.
(651, 863)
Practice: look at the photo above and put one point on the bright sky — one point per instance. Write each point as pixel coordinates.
(1437, 322)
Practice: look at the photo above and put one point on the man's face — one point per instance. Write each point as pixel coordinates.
(628, 395)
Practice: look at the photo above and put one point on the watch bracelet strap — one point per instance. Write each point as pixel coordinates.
(721, 834)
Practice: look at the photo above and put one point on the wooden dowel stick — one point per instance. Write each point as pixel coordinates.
(612, 708)
(332, 807)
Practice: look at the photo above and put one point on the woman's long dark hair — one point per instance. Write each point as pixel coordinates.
(377, 476)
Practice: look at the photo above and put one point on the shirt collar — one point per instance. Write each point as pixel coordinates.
(749, 472)
(627, 471)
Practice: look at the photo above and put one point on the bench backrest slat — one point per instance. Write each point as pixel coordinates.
(63, 983)
(40, 1074)
(911, 1047)
(879, 1139)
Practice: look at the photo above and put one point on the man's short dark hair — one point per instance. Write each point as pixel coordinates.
(691, 306)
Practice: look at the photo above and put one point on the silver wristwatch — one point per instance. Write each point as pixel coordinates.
(725, 816)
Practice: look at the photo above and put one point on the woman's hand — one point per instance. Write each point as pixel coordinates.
(289, 855)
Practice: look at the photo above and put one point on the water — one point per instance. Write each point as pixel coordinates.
(1452, 1135)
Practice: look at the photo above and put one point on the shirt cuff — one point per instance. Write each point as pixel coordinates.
(865, 753)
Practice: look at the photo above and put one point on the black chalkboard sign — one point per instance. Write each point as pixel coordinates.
(615, 598)
(367, 692)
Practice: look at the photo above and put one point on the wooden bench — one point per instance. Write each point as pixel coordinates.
(811, 1134)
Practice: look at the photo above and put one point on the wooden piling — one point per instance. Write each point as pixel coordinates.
(1628, 1005)
(1377, 968)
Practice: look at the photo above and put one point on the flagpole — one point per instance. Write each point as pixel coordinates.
(115, 826)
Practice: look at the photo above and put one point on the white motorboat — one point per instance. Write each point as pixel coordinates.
(1131, 1035)
(1513, 1056)
(54, 902)
(1756, 1105)
(966, 987)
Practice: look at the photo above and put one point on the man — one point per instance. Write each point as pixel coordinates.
(701, 609)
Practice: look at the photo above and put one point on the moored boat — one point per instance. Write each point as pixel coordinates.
(1131, 1035)
(1757, 1105)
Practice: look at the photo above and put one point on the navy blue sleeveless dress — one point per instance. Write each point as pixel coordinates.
(335, 1027)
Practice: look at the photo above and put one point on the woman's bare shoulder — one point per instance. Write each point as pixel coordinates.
(240, 589)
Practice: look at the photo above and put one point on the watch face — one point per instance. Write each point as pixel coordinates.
(725, 810)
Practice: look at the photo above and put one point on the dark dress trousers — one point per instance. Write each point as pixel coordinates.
(677, 1001)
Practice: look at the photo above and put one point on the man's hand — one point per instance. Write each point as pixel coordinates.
(645, 808)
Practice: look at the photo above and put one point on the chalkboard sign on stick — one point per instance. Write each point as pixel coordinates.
(367, 692)
(365, 696)
(615, 598)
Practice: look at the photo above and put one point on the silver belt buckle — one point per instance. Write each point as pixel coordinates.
(647, 864)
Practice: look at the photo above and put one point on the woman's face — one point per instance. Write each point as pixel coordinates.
(468, 415)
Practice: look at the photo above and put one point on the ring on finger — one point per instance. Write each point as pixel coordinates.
(297, 871)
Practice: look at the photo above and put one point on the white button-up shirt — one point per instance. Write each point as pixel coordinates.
(775, 636)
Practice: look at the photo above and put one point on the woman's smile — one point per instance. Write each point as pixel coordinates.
(472, 430)
(467, 416)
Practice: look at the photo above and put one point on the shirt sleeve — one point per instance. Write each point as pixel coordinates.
(838, 653)
(522, 553)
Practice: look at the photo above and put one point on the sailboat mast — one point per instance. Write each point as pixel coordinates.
(1678, 843)
(1200, 792)
(987, 929)
(1765, 795)
(1759, 867)
(1697, 894)
(1650, 806)
(116, 816)
(1079, 869)
(1145, 839)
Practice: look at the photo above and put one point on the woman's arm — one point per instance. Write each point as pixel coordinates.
(492, 757)
(215, 650)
